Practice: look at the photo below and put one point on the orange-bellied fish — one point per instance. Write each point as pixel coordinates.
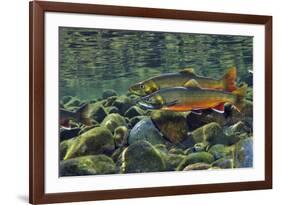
(193, 97)
(227, 82)
(80, 115)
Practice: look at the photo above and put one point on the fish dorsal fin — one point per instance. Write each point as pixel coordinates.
(219, 108)
(188, 71)
(192, 84)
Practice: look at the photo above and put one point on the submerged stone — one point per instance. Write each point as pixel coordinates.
(172, 124)
(121, 136)
(146, 130)
(142, 157)
(87, 165)
(134, 111)
(197, 166)
(244, 153)
(123, 103)
(195, 157)
(98, 140)
(112, 121)
(108, 93)
(211, 133)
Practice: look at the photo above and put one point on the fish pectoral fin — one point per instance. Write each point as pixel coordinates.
(192, 84)
(188, 71)
(219, 108)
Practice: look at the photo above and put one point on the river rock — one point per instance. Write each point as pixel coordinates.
(244, 153)
(108, 93)
(123, 103)
(211, 133)
(134, 111)
(112, 121)
(112, 109)
(142, 157)
(66, 134)
(64, 146)
(197, 166)
(121, 136)
(172, 124)
(220, 151)
(97, 112)
(195, 157)
(87, 165)
(98, 140)
(223, 163)
(146, 130)
(135, 120)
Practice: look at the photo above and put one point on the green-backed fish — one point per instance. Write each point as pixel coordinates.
(194, 97)
(227, 82)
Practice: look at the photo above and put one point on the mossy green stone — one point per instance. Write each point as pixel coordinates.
(141, 156)
(98, 140)
(197, 166)
(220, 151)
(112, 121)
(87, 165)
(211, 133)
(195, 157)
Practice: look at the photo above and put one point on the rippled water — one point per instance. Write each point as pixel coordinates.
(93, 60)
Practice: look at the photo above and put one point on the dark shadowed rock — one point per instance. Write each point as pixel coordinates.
(244, 153)
(108, 93)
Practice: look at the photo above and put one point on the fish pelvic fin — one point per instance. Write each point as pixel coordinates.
(82, 114)
(240, 95)
(229, 79)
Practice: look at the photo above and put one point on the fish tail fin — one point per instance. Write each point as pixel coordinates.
(240, 95)
(229, 79)
(82, 114)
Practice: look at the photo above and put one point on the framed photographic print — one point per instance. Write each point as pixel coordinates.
(138, 102)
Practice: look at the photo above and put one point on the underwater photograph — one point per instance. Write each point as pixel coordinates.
(149, 101)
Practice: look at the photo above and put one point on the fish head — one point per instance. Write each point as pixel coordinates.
(144, 88)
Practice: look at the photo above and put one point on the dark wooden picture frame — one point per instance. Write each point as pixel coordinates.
(37, 96)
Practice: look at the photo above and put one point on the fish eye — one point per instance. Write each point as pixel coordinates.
(142, 86)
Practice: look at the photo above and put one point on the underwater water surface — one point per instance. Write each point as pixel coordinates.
(93, 60)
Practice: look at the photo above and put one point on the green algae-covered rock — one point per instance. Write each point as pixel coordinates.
(87, 165)
(211, 133)
(64, 146)
(220, 151)
(108, 93)
(112, 109)
(97, 111)
(112, 121)
(197, 166)
(134, 111)
(98, 140)
(142, 157)
(173, 160)
(146, 130)
(196, 157)
(172, 124)
(223, 163)
(121, 136)
(123, 103)
(176, 151)
(244, 153)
